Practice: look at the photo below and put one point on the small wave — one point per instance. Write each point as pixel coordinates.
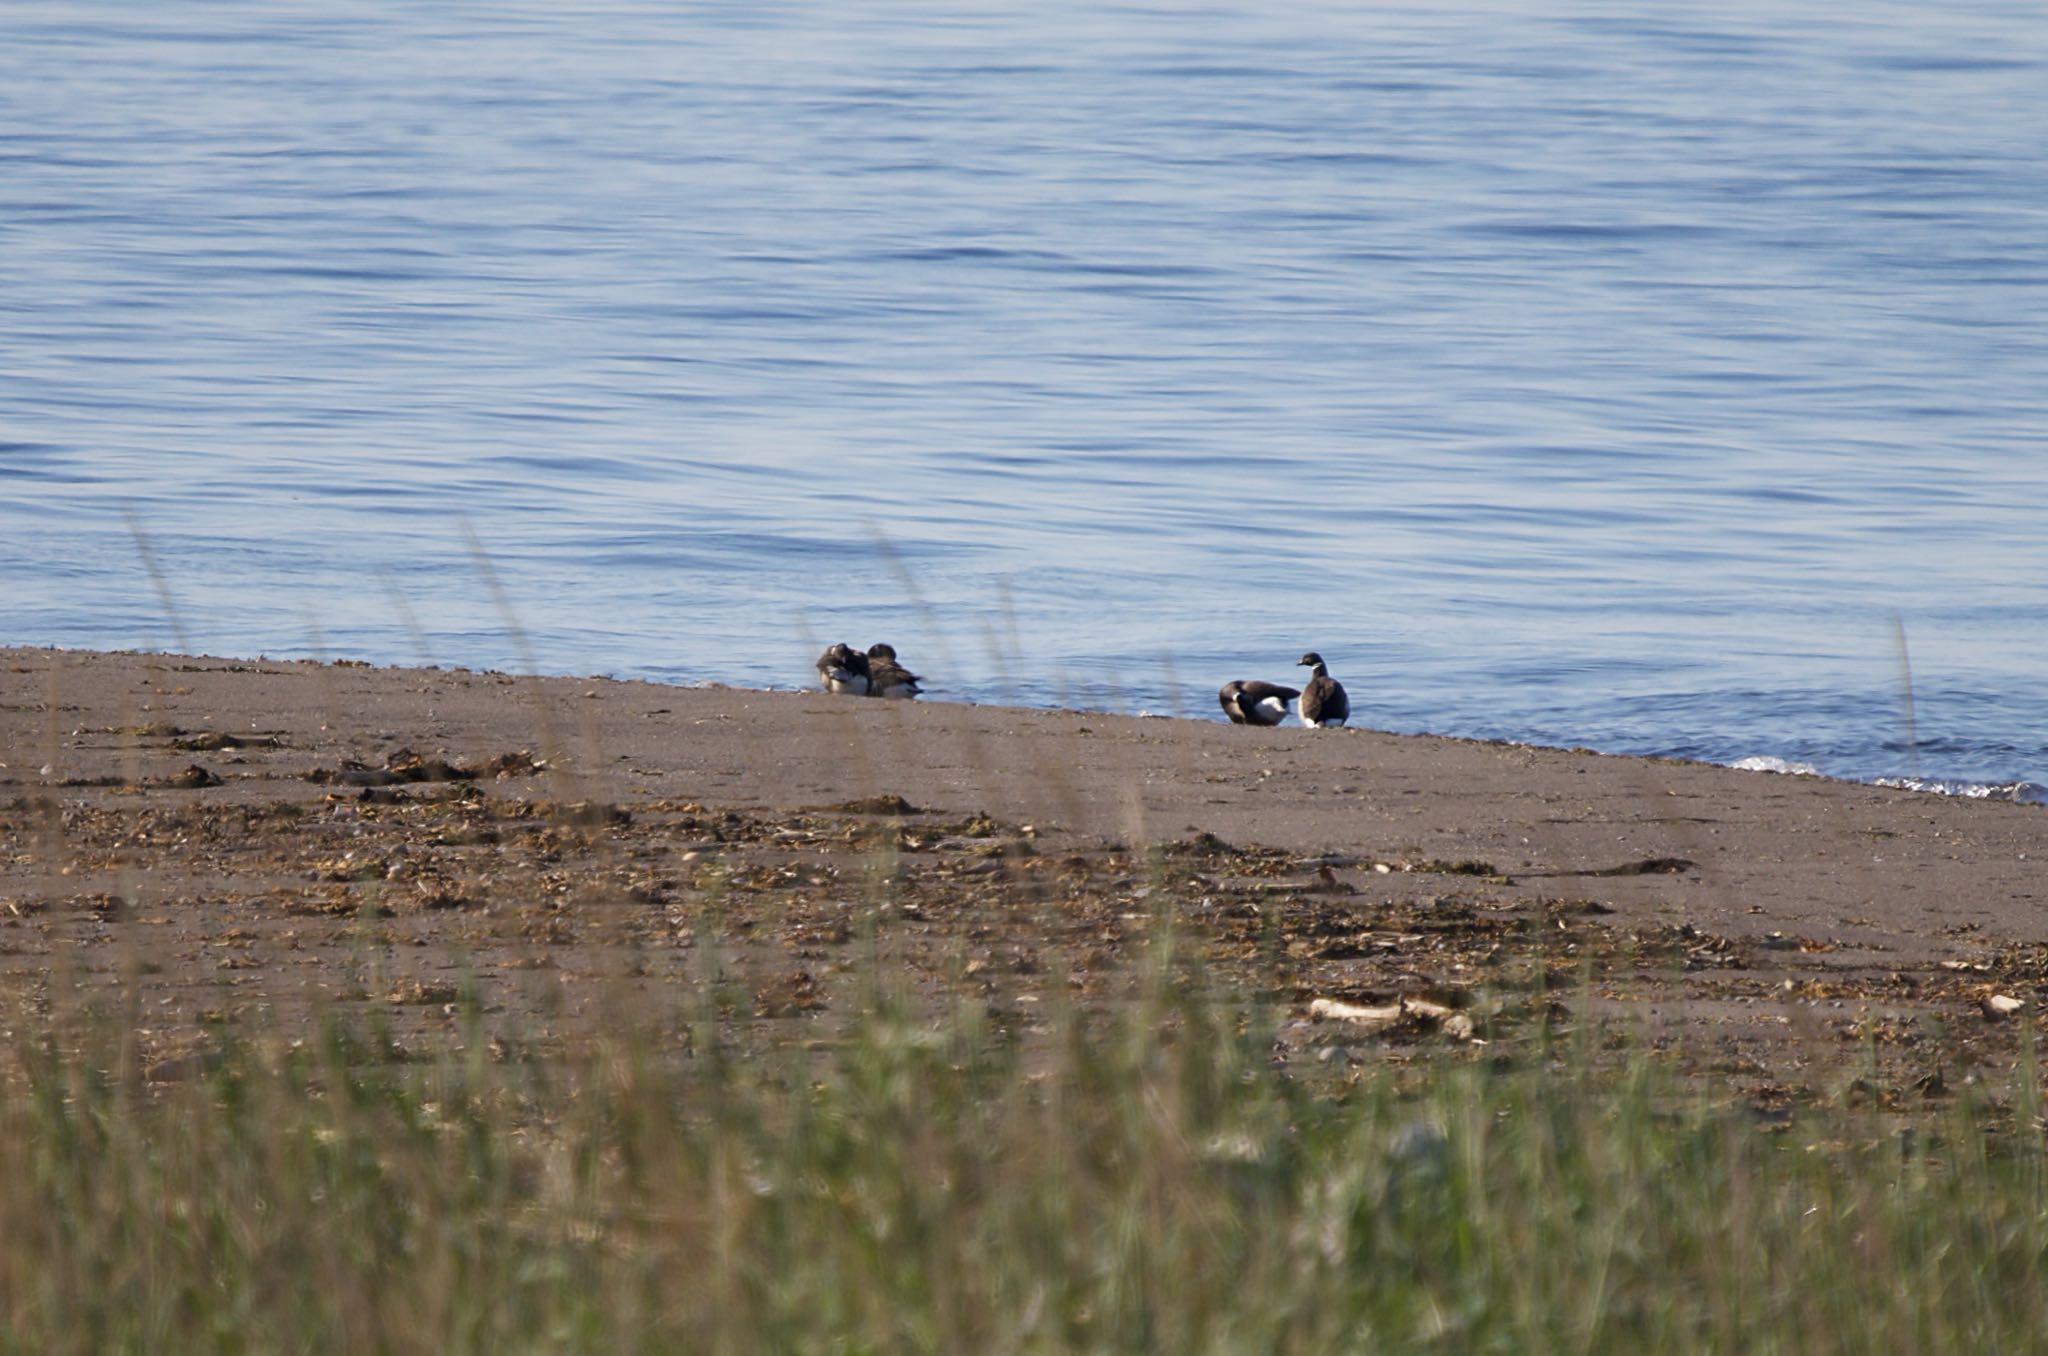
(2029, 792)
(1766, 763)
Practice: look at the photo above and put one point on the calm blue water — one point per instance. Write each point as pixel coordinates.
(1627, 375)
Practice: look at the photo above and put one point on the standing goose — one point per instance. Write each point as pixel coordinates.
(1251, 702)
(844, 669)
(1323, 701)
(886, 677)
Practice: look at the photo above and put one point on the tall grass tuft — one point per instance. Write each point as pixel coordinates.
(1147, 1180)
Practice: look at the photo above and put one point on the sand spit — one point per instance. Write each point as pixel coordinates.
(225, 844)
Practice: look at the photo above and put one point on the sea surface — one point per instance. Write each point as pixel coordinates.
(1657, 377)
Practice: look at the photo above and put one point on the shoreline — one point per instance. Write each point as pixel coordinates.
(280, 834)
(869, 745)
(2017, 790)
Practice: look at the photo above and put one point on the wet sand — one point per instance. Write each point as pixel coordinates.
(232, 842)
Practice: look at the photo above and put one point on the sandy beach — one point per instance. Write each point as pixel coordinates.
(242, 844)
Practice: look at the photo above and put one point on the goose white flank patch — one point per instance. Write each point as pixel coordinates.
(1251, 702)
(844, 669)
(886, 677)
(1323, 701)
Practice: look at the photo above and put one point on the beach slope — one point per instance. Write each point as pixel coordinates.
(279, 835)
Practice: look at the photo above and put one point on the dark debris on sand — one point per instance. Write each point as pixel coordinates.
(1368, 959)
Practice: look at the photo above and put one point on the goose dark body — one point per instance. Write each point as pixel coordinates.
(1323, 701)
(1251, 702)
(844, 669)
(886, 677)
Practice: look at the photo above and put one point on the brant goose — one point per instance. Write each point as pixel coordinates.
(1255, 703)
(844, 669)
(886, 677)
(1323, 701)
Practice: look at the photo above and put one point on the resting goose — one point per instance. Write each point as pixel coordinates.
(1323, 701)
(886, 677)
(1251, 702)
(844, 669)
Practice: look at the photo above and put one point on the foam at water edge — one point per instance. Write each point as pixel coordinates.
(1766, 763)
(2030, 792)
(2022, 791)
